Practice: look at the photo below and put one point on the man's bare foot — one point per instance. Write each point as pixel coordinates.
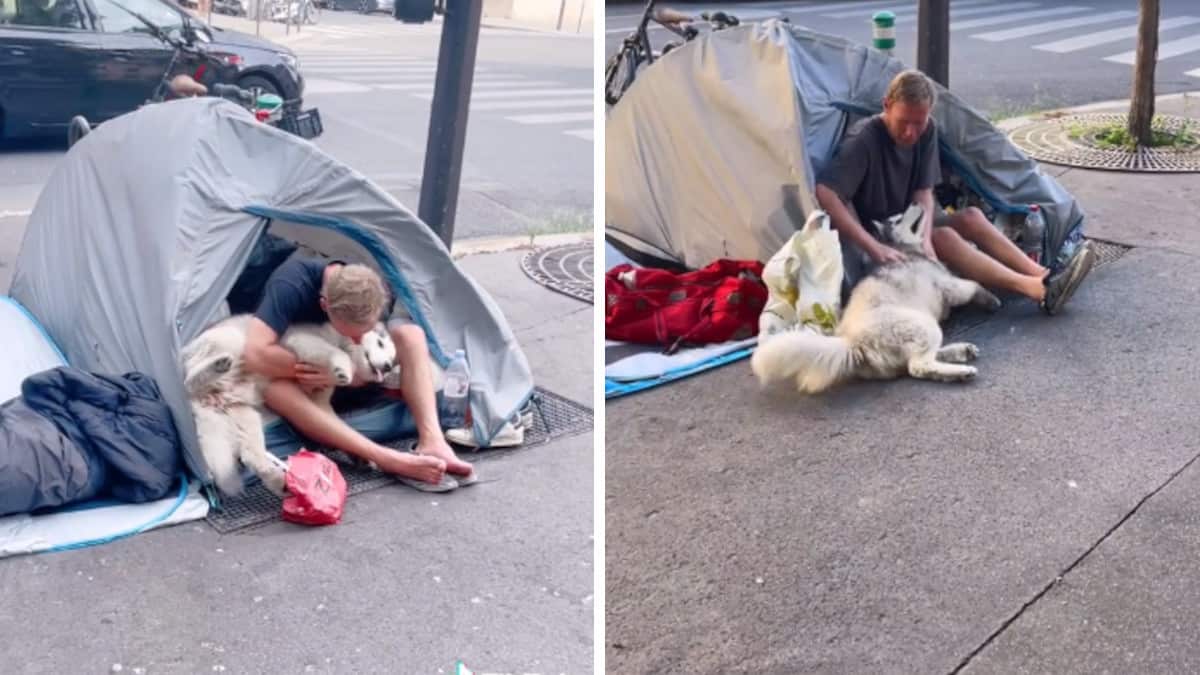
(427, 468)
(438, 447)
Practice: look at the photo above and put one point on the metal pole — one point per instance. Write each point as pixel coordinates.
(933, 40)
(448, 116)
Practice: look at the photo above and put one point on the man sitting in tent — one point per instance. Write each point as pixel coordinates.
(890, 160)
(352, 298)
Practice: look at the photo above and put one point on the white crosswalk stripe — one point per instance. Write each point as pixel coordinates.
(1016, 16)
(873, 6)
(1051, 26)
(552, 118)
(1166, 50)
(991, 8)
(518, 99)
(427, 87)
(520, 93)
(1113, 35)
(898, 9)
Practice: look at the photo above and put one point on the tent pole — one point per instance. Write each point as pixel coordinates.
(933, 40)
(448, 116)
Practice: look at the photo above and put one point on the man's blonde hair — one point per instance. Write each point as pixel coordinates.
(912, 87)
(354, 294)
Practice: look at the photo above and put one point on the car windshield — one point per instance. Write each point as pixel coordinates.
(116, 16)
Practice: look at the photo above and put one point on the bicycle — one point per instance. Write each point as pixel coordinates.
(636, 50)
(266, 107)
(296, 12)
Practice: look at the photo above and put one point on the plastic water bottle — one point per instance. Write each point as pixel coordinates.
(455, 389)
(1033, 233)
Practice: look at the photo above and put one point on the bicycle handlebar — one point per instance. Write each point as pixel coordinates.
(233, 91)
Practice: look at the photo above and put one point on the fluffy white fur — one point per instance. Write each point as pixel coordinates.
(890, 326)
(226, 400)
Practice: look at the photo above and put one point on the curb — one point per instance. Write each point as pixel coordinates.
(1011, 123)
(484, 245)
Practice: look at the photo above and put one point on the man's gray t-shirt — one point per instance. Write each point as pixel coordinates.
(878, 177)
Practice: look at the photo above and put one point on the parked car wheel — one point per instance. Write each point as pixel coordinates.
(253, 81)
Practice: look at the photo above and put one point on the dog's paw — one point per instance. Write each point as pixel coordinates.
(342, 376)
(988, 301)
(968, 373)
(276, 480)
(970, 352)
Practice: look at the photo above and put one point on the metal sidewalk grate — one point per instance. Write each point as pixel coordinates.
(554, 416)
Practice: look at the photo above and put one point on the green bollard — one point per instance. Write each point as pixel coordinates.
(884, 32)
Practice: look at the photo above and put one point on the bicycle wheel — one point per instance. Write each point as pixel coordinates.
(619, 74)
(312, 13)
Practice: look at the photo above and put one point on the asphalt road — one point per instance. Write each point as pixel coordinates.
(528, 159)
(1006, 58)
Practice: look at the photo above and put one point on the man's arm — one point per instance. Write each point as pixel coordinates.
(845, 222)
(849, 227)
(925, 199)
(263, 354)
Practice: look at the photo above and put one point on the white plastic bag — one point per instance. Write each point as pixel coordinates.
(804, 281)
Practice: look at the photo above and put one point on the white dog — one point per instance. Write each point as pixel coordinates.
(890, 326)
(226, 400)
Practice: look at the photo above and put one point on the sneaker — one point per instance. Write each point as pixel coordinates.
(509, 436)
(1060, 287)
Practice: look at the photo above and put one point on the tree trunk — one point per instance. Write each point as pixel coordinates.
(1141, 109)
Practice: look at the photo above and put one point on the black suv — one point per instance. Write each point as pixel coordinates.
(98, 58)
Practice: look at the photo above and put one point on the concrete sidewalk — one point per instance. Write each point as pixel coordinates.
(1039, 519)
(498, 575)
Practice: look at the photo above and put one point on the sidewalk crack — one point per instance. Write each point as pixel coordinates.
(1061, 575)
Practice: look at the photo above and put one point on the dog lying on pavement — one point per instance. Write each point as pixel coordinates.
(889, 328)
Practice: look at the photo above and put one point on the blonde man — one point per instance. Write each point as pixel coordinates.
(352, 298)
(889, 161)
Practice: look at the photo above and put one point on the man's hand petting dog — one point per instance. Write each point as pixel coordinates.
(884, 254)
(312, 379)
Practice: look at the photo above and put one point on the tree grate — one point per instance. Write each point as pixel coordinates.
(567, 269)
(1050, 141)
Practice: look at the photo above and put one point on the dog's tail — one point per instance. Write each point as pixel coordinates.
(816, 361)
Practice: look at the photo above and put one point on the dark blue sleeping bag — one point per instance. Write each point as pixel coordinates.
(73, 436)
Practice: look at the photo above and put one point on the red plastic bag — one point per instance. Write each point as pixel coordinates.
(316, 490)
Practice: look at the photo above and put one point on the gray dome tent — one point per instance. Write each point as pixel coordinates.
(712, 140)
(144, 227)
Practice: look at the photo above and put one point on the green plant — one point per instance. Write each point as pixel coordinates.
(1115, 135)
